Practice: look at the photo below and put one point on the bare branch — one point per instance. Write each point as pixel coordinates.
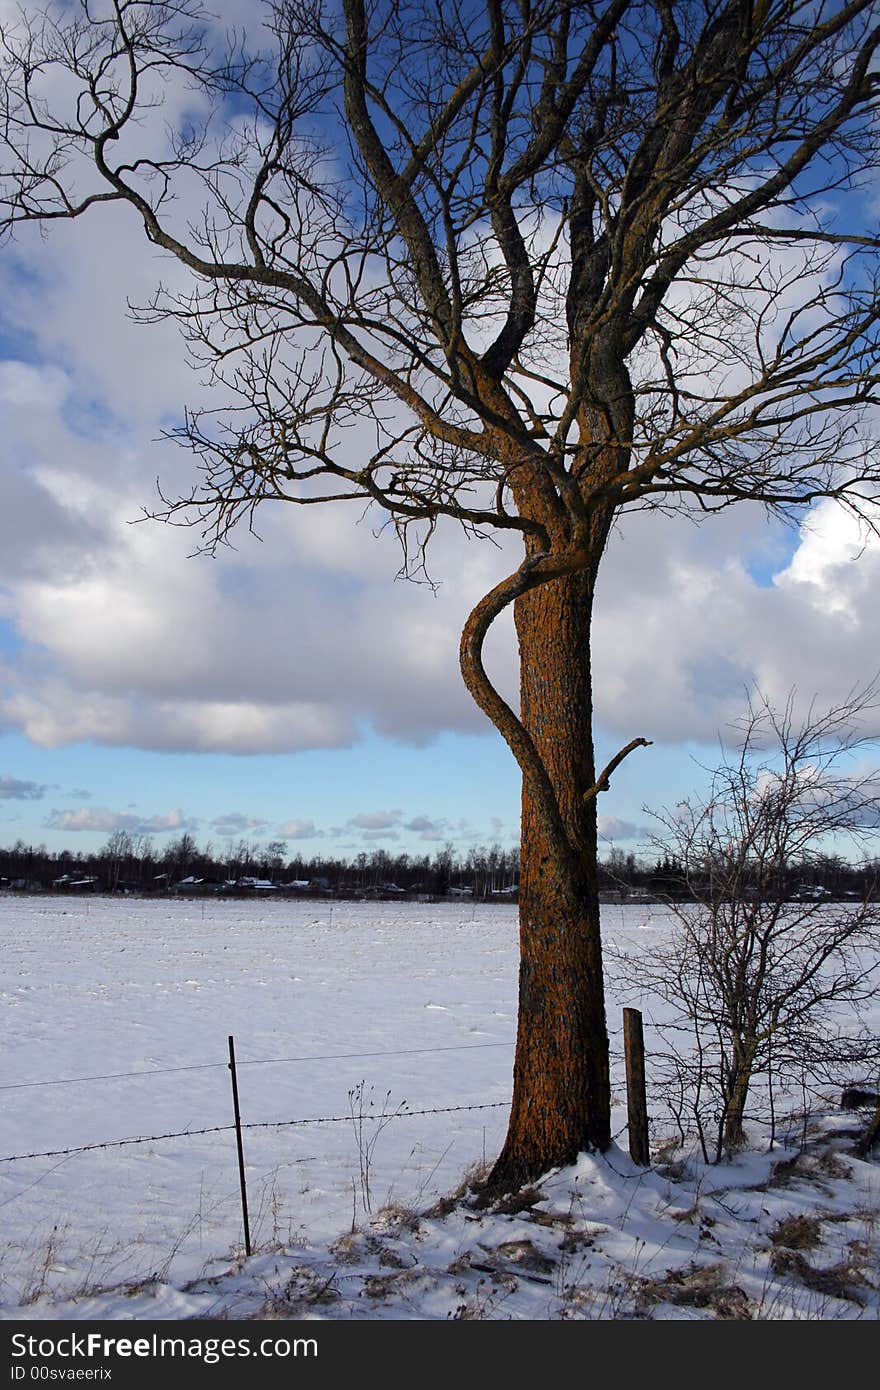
(603, 781)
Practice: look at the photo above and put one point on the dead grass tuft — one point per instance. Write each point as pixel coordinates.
(839, 1281)
(517, 1202)
(700, 1286)
(523, 1254)
(472, 1179)
(798, 1233)
(394, 1216)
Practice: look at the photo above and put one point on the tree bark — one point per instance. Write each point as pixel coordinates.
(561, 1093)
(737, 1091)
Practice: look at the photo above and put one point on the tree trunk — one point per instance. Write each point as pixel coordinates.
(561, 1090)
(737, 1091)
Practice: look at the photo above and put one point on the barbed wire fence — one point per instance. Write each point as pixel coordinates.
(358, 1114)
(404, 1113)
(239, 1127)
(148, 1072)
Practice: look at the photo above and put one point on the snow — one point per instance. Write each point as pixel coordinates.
(356, 1017)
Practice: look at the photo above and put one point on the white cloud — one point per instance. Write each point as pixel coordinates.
(683, 628)
(300, 830)
(55, 712)
(375, 820)
(138, 645)
(103, 820)
(613, 829)
(128, 641)
(425, 824)
(234, 823)
(13, 789)
(25, 385)
(836, 563)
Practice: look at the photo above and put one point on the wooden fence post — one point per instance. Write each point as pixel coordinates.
(636, 1099)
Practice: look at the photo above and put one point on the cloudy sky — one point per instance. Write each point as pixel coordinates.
(293, 688)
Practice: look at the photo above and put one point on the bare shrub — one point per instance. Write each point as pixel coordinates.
(761, 977)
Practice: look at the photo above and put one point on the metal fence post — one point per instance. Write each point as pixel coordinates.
(244, 1202)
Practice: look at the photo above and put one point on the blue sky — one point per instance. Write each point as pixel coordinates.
(293, 688)
(378, 792)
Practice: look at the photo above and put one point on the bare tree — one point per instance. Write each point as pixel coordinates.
(525, 264)
(760, 980)
(118, 853)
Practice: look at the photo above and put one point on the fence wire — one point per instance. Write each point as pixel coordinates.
(252, 1062)
(401, 1114)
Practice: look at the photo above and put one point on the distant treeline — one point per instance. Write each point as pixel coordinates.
(136, 865)
(127, 863)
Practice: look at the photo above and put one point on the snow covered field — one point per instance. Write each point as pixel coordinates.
(386, 1008)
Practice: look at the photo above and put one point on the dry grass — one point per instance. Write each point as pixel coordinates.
(700, 1286)
(841, 1281)
(398, 1217)
(798, 1233)
(471, 1181)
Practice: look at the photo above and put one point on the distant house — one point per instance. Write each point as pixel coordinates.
(68, 884)
(811, 892)
(191, 884)
(382, 890)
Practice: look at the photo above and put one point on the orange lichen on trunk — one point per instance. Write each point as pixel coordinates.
(561, 1092)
